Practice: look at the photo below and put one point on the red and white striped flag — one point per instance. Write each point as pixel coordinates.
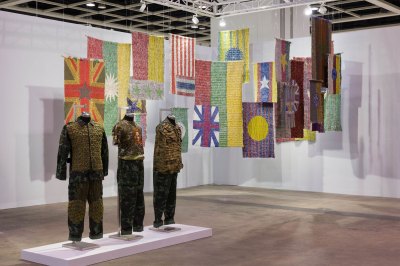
(182, 60)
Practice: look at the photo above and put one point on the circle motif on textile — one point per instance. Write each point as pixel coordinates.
(258, 128)
(183, 129)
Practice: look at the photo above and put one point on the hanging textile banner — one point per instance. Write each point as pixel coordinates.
(234, 46)
(147, 82)
(258, 130)
(265, 88)
(139, 108)
(218, 119)
(288, 102)
(181, 118)
(84, 85)
(316, 106)
(335, 73)
(297, 75)
(332, 112)
(116, 58)
(183, 65)
(321, 41)
(282, 64)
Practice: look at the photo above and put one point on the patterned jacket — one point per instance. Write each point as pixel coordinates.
(87, 145)
(128, 136)
(167, 148)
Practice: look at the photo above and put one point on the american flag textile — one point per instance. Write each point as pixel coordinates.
(116, 58)
(181, 118)
(265, 88)
(309, 135)
(332, 112)
(148, 66)
(282, 64)
(297, 75)
(83, 85)
(321, 41)
(335, 73)
(316, 106)
(258, 130)
(182, 65)
(218, 101)
(234, 46)
(285, 110)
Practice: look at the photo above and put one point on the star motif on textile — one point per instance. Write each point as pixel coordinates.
(264, 83)
(148, 91)
(284, 61)
(133, 106)
(84, 92)
(136, 89)
(160, 92)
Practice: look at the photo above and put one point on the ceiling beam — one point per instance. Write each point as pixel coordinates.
(343, 10)
(386, 5)
(12, 3)
(366, 17)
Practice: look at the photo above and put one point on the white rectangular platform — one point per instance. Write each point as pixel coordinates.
(110, 248)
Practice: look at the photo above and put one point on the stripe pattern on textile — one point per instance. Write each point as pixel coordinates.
(265, 88)
(116, 58)
(218, 104)
(321, 41)
(182, 64)
(234, 46)
(316, 106)
(141, 120)
(297, 74)
(181, 118)
(288, 102)
(335, 73)
(84, 85)
(258, 130)
(332, 112)
(147, 82)
(282, 64)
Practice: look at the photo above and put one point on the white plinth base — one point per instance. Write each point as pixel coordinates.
(110, 249)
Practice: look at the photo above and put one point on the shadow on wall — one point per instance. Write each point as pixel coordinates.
(46, 119)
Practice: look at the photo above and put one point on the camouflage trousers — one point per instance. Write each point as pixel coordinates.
(78, 194)
(164, 197)
(130, 178)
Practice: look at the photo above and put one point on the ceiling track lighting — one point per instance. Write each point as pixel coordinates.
(90, 4)
(195, 20)
(308, 11)
(222, 23)
(101, 6)
(143, 6)
(322, 9)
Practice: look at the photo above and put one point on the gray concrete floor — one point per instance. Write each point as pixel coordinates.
(250, 227)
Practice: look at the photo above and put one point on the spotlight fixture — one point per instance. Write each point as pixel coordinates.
(195, 19)
(308, 11)
(101, 6)
(143, 6)
(322, 9)
(202, 28)
(90, 4)
(203, 7)
(222, 23)
(194, 27)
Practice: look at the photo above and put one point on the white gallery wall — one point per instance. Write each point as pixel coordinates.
(364, 158)
(32, 104)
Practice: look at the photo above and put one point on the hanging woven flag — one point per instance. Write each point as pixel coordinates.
(147, 82)
(332, 112)
(234, 46)
(297, 75)
(335, 73)
(316, 106)
(218, 119)
(265, 88)
(181, 118)
(258, 130)
(83, 85)
(116, 58)
(288, 102)
(321, 40)
(183, 65)
(282, 64)
(138, 107)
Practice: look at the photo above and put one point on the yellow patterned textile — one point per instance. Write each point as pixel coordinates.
(156, 59)
(234, 82)
(124, 55)
(86, 142)
(128, 136)
(167, 148)
(234, 46)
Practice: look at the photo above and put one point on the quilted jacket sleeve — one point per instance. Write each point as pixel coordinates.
(64, 149)
(104, 154)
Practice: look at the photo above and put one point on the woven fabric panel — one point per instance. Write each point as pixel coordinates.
(282, 64)
(321, 41)
(181, 118)
(332, 112)
(265, 88)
